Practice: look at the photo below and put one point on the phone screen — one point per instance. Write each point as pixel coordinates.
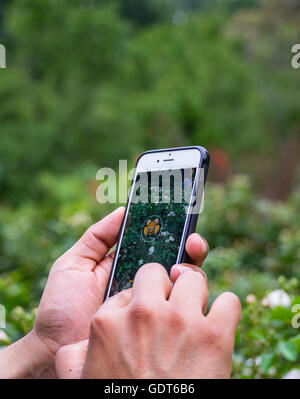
(154, 224)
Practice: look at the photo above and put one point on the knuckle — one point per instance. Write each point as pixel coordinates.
(125, 294)
(141, 311)
(88, 236)
(90, 229)
(90, 239)
(177, 321)
(99, 323)
(213, 336)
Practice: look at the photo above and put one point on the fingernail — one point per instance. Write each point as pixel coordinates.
(183, 269)
(203, 244)
(180, 269)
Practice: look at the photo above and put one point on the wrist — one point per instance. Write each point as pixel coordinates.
(27, 358)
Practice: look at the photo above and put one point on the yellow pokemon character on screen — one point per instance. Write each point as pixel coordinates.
(152, 228)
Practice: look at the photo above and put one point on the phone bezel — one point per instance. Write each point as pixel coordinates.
(168, 160)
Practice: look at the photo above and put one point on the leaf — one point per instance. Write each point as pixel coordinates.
(282, 314)
(288, 350)
(296, 300)
(296, 341)
(266, 361)
(258, 337)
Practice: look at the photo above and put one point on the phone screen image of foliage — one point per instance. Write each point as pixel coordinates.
(153, 229)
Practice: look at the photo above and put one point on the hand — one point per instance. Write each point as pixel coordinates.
(76, 285)
(155, 330)
(70, 358)
(162, 332)
(74, 291)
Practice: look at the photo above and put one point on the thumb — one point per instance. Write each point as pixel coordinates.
(92, 247)
(70, 360)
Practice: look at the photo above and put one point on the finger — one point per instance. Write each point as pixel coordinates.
(197, 248)
(118, 301)
(177, 270)
(91, 248)
(112, 254)
(103, 269)
(102, 272)
(70, 360)
(225, 314)
(189, 294)
(151, 284)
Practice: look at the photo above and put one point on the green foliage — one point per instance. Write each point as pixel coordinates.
(79, 73)
(90, 82)
(267, 346)
(254, 242)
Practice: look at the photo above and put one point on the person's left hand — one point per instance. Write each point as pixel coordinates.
(76, 285)
(74, 291)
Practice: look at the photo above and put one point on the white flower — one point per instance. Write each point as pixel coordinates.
(293, 374)
(140, 262)
(249, 362)
(258, 360)
(172, 213)
(279, 298)
(151, 250)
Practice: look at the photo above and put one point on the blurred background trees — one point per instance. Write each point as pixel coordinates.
(90, 82)
(149, 76)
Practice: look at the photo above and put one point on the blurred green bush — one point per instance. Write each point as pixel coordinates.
(81, 77)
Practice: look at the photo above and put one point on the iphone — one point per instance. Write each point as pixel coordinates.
(165, 199)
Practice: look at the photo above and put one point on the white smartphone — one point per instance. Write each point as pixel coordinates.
(162, 211)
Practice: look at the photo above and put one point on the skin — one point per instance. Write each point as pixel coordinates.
(160, 332)
(74, 292)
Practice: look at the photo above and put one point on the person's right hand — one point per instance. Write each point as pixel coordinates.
(156, 330)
